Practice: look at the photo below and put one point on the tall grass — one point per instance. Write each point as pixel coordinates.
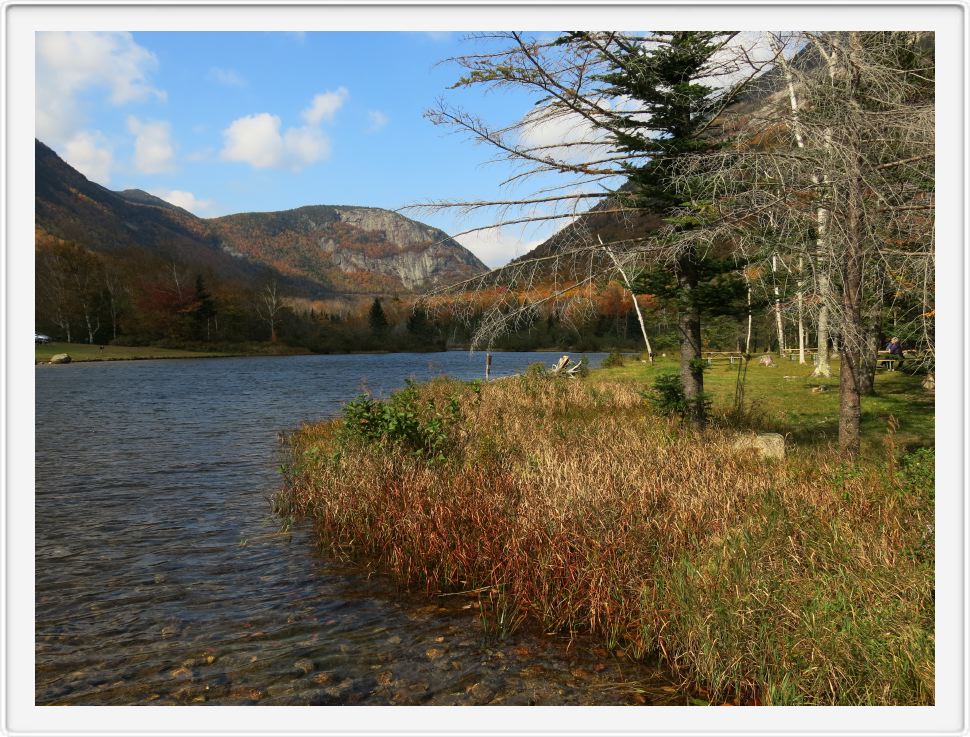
(808, 581)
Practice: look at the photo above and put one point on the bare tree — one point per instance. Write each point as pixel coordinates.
(844, 179)
(269, 303)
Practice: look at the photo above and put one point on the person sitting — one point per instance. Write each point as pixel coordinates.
(896, 353)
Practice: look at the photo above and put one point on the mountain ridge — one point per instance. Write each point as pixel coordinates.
(312, 250)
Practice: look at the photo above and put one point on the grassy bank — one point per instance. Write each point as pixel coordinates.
(85, 352)
(781, 399)
(568, 504)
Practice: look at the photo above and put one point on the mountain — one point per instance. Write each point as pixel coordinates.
(349, 249)
(312, 251)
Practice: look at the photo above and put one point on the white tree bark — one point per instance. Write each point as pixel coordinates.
(801, 314)
(778, 321)
(636, 305)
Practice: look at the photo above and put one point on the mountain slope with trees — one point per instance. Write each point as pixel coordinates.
(312, 252)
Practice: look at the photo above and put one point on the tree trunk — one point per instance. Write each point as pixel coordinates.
(850, 408)
(868, 359)
(801, 315)
(747, 338)
(636, 305)
(778, 322)
(822, 366)
(853, 333)
(691, 364)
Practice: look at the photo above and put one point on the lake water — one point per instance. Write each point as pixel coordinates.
(162, 575)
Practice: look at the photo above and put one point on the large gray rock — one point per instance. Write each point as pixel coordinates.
(766, 445)
(60, 358)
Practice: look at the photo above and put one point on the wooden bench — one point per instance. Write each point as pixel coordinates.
(730, 356)
(886, 360)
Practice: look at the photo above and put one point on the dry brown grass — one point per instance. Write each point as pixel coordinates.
(803, 581)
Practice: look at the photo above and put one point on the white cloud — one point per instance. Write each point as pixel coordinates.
(154, 152)
(746, 55)
(548, 130)
(90, 154)
(185, 200)
(69, 63)
(324, 106)
(260, 141)
(377, 120)
(227, 77)
(497, 246)
(257, 141)
(254, 139)
(303, 146)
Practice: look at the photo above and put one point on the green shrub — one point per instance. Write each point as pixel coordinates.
(615, 359)
(422, 428)
(667, 396)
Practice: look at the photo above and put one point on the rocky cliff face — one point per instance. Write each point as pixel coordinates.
(418, 254)
(351, 249)
(313, 251)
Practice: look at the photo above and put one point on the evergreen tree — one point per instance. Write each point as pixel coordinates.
(419, 325)
(677, 120)
(376, 318)
(204, 308)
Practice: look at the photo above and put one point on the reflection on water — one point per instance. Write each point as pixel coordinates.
(162, 577)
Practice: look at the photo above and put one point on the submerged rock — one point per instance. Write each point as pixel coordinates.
(481, 693)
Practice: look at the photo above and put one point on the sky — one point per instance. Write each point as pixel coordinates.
(228, 122)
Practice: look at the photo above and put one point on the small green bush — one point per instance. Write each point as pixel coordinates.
(424, 429)
(667, 396)
(615, 359)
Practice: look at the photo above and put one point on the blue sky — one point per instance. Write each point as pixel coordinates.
(230, 122)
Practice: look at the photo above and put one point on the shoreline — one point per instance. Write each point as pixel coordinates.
(190, 355)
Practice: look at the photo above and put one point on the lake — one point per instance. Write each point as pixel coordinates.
(163, 577)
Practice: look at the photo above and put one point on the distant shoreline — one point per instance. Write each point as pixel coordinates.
(84, 353)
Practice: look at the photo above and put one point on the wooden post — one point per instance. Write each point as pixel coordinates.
(488, 365)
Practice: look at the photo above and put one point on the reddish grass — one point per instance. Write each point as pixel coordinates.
(808, 581)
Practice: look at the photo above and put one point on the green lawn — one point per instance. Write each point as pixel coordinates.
(780, 399)
(85, 352)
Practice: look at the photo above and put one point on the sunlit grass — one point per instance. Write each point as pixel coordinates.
(803, 581)
(85, 352)
(780, 399)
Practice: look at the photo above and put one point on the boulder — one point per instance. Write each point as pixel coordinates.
(929, 383)
(766, 445)
(60, 358)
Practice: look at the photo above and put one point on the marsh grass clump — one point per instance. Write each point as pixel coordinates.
(808, 581)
